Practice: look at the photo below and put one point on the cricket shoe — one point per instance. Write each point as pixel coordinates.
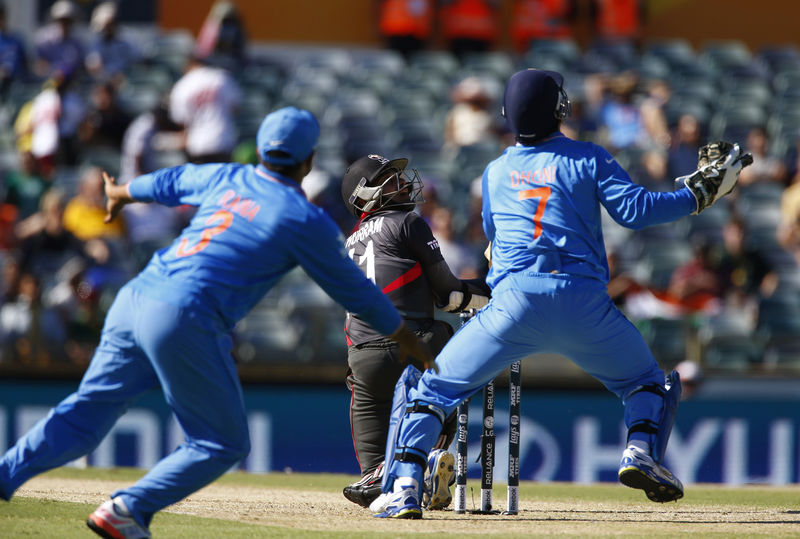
(439, 475)
(365, 490)
(403, 503)
(639, 470)
(113, 521)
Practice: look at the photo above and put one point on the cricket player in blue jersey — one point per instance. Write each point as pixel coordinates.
(542, 215)
(170, 326)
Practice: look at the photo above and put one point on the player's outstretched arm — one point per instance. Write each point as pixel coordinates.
(718, 167)
(410, 345)
(117, 196)
(452, 294)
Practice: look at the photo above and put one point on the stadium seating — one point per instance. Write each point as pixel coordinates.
(374, 100)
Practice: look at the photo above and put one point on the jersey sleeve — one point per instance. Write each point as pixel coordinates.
(420, 241)
(319, 249)
(486, 208)
(174, 186)
(631, 204)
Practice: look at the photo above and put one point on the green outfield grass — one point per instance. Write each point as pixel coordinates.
(720, 510)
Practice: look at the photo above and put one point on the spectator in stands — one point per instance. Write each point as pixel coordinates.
(9, 279)
(618, 21)
(788, 232)
(30, 332)
(25, 186)
(745, 272)
(142, 141)
(57, 49)
(46, 247)
(534, 20)
(620, 117)
(150, 226)
(765, 167)
(8, 220)
(106, 121)
(456, 254)
(697, 285)
(56, 114)
(651, 108)
(23, 127)
(469, 25)
(406, 25)
(620, 283)
(651, 171)
(84, 213)
(109, 55)
(13, 62)
(470, 120)
(204, 102)
(222, 40)
(684, 145)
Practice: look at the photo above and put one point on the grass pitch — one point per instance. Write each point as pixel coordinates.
(241, 505)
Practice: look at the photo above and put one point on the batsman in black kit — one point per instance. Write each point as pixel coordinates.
(396, 249)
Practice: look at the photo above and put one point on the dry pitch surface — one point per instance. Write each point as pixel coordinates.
(324, 511)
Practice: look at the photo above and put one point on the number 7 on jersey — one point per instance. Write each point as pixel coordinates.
(542, 193)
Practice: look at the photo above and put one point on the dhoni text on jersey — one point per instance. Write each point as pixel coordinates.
(367, 229)
(541, 176)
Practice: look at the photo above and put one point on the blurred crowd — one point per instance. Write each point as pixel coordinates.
(88, 94)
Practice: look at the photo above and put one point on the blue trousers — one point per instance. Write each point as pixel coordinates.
(531, 313)
(147, 343)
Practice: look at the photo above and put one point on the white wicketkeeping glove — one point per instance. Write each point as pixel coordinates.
(717, 172)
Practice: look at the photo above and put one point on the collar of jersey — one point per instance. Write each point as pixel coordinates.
(277, 178)
(555, 135)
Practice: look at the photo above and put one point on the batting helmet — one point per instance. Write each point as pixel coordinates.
(374, 182)
(534, 103)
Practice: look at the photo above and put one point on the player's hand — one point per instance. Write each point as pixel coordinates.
(410, 345)
(116, 197)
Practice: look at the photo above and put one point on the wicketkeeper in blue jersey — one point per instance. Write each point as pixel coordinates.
(170, 326)
(541, 213)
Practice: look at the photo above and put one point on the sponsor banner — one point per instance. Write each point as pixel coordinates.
(564, 436)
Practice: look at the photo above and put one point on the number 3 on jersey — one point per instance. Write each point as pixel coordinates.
(368, 259)
(225, 218)
(542, 193)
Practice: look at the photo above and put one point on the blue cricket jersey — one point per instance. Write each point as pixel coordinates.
(251, 227)
(541, 207)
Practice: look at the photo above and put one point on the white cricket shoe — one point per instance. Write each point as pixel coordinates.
(638, 470)
(113, 521)
(439, 475)
(402, 503)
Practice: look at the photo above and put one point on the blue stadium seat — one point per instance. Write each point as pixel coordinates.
(675, 51)
(139, 98)
(434, 62)
(728, 342)
(565, 51)
(496, 64)
(778, 58)
(667, 339)
(379, 61)
(721, 55)
(621, 53)
(736, 123)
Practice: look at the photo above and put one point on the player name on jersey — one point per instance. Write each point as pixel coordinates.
(533, 177)
(367, 229)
